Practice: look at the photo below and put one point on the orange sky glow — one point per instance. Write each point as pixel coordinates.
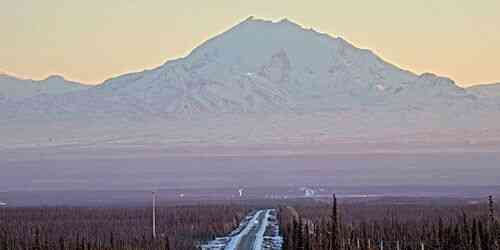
(90, 41)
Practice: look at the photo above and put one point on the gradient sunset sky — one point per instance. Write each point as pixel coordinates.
(92, 40)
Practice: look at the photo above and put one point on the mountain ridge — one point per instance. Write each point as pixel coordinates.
(261, 65)
(14, 88)
(254, 78)
(489, 90)
(248, 20)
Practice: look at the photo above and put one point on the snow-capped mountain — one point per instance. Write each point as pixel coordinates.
(263, 66)
(300, 77)
(13, 89)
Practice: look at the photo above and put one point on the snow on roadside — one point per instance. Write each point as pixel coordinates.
(267, 237)
(272, 238)
(233, 239)
(259, 238)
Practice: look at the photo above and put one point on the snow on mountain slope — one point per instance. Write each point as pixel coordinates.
(310, 70)
(12, 88)
(263, 81)
(264, 66)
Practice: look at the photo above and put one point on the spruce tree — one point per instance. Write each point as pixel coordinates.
(300, 236)
(294, 240)
(307, 245)
(466, 239)
(491, 209)
(335, 226)
(38, 243)
(475, 236)
(167, 243)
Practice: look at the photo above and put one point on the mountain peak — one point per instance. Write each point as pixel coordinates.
(250, 18)
(260, 21)
(55, 78)
(250, 44)
(286, 21)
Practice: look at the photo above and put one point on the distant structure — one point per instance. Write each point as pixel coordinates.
(240, 192)
(3, 204)
(308, 192)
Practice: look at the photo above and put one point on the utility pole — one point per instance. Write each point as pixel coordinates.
(154, 215)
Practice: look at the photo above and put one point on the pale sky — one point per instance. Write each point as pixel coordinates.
(92, 40)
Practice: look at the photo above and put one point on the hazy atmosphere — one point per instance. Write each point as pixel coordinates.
(91, 41)
(249, 125)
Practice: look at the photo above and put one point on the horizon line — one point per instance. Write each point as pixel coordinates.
(248, 18)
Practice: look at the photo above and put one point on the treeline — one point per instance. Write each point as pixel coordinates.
(178, 228)
(398, 227)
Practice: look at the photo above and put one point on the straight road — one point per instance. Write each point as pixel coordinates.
(250, 235)
(253, 240)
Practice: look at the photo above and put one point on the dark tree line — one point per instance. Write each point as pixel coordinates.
(305, 226)
(179, 228)
(374, 227)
